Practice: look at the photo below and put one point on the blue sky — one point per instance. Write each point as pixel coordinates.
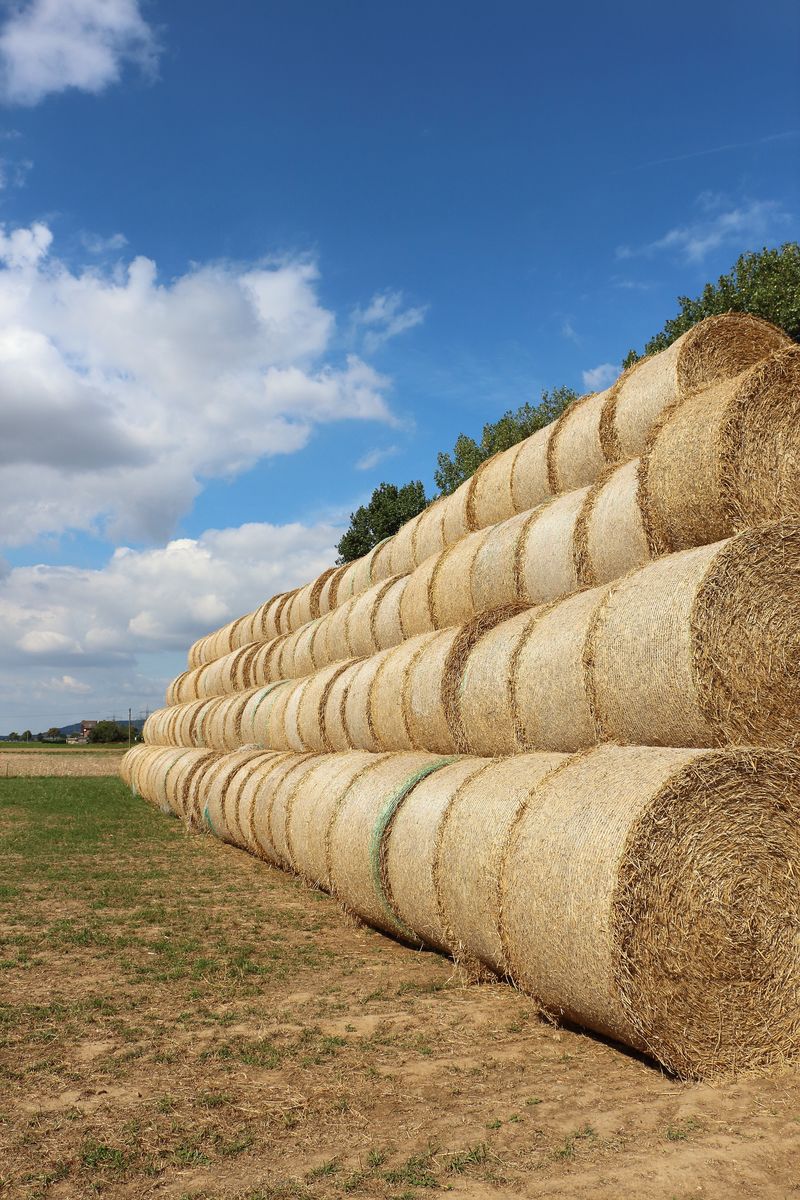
(258, 257)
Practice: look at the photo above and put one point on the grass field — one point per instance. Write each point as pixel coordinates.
(179, 1020)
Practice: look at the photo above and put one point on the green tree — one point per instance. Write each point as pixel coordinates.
(511, 428)
(389, 508)
(108, 731)
(27, 735)
(765, 283)
(13, 737)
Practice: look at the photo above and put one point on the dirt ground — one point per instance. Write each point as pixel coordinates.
(179, 1020)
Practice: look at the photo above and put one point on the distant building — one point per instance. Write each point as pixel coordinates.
(86, 728)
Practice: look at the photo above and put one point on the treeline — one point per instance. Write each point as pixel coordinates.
(765, 283)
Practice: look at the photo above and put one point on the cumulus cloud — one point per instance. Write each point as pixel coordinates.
(47, 46)
(602, 376)
(721, 224)
(385, 317)
(121, 393)
(121, 632)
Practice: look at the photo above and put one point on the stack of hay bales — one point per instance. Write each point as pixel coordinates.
(549, 727)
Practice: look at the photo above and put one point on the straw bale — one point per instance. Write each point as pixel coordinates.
(387, 622)
(611, 536)
(360, 633)
(257, 799)
(490, 499)
(546, 565)
(494, 577)
(190, 780)
(450, 590)
(416, 614)
(650, 894)
(388, 695)
(727, 457)
(213, 792)
(311, 706)
(471, 840)
(717, 348)
(402, 552)
(429, 534)
(309, 817)
(293, 738)
(422, 698)
(337, 641)
(700, 648)
(455, 523)
(530, 483)
(283, 798)
(234, 791)
(334, 730)
(255, 716)
(476, 687)
(314, 600)
(575, 452)
(245, 804)
(356, 710)
(175, 783)
(328, 592)
(356, 836)
(409, 851)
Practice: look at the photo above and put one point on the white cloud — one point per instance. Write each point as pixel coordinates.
(121, 632)
(602, 376)
(385, 318)
(95, 243)
(373, 458)
(723, 224)
(121, 393)
(47, 46)
(568, 331)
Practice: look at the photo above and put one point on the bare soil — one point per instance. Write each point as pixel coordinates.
(180, 1020)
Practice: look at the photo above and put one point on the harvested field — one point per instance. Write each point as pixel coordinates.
(180, 1020)
(59, 762)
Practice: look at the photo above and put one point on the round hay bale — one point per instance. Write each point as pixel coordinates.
(701, 648)
(381, 564)
(213, 792)
(429, 534)
(177, 785)
(309, 816)
(318, 648)
(257, 713)
(284, 796)
(410, 844)
(304, 649)
(727, 458)
(389, 716)
(256, 801)
(651, 895)
(547, 684)
(546, 567)
(311, 707)
(422, 698)
(337, 642)
(470, 841)
(490, 499)
(455, 520)
(450, 591)
(387, 621)
(327, 595)
(611, 537)
(334, 730)
(245, 801)
(530, 482)
(402, 552)
(494, 578)
(717, 348)
(314, 601)
(276, 734)
(357, 709)
(415, 603)
(476, 684)
(575, 452)
(191, 780)
(356, 836)
(359, 626)
(231, 810)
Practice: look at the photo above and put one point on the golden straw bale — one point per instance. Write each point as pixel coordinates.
(700, 648)
(493, 578)
(415, 605)
(359, 627)
(548, 690)
(311, 706)
(409, 852)
(337, 641)
(422, 699)
(470, 842)
(256, 801)
(356, 708)
(450, 590)
(575, 452)
(611, 537)
(245, 802)
(717, 348)
(388, 693)
(490, 499)
(455, 522)
(387, 622)
(309, 815)
(355, 836)
(334, 730)
(546, 567)
(650, 894)
(284, 795)
(214, 791)
(476, 684)
(402, 552)
(530, 483)
(429, 534)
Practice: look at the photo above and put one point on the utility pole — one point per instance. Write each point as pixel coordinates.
(129, 729)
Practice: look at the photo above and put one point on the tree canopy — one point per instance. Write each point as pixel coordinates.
(765, 283)
(108, 731)
(389, 508)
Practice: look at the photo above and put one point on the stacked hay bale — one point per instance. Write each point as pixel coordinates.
(549, 727)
